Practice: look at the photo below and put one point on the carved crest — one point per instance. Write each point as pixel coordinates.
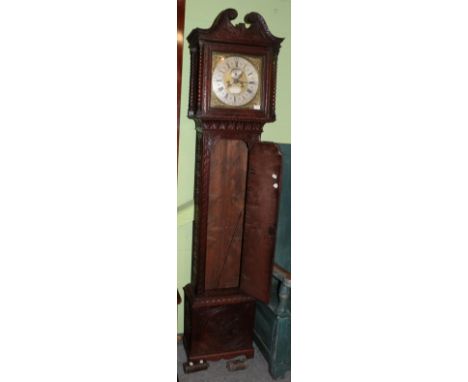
(257, 33)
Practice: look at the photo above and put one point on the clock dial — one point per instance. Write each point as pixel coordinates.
(235, 81)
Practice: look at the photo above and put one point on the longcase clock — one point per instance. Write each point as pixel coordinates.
(237, 184)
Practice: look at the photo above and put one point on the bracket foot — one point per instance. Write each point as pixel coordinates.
(236, 364)
(192, 367)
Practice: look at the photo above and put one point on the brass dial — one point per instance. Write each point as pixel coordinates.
(235, 81)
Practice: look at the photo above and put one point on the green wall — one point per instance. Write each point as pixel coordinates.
(200, 14)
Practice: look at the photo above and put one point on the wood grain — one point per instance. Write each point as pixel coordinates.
(261, 217)
(228, 174)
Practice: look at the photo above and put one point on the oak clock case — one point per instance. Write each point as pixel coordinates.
(237, 184)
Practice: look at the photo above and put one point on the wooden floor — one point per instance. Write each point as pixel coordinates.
(257, 371)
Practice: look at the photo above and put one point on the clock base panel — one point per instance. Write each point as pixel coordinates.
(218, 328)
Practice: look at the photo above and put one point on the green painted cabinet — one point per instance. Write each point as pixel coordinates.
(273, 320)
